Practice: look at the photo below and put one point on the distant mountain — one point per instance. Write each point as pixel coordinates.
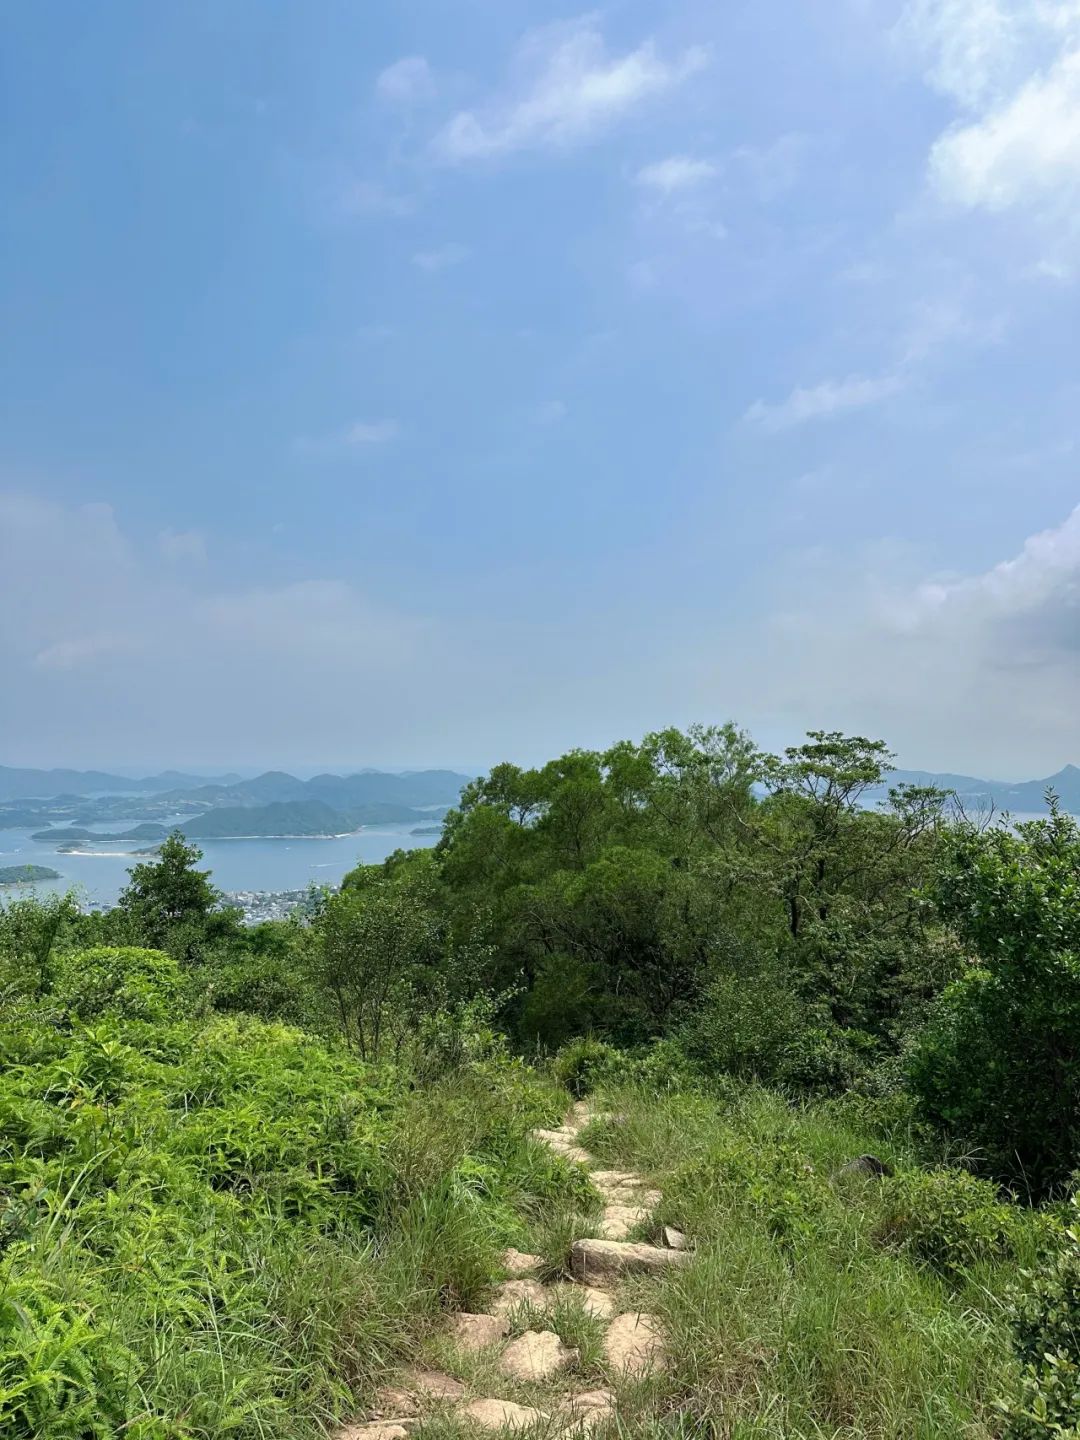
(346, 793)
(280, 818)
(1024, 796)
(44, 784)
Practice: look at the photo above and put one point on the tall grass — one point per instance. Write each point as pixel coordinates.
(799, 1318)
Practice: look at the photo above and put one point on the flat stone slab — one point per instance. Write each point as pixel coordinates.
(415, 1385)
(634, 1345)
(477, 1332)
(500, 1414)
(512, 1293)
(564, 1143)
(589, 1409)
(516, 1262)
(536, 1355)
(618, 1221)
(597, 1303)
(374, 1430)
(604, 1261)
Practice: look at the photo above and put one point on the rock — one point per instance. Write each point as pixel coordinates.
(516, 1262)
(597, 1303)
(618, 1221)
(477, 1332)
(633, 1344)
(564, 1144)
(590, 1408)
(500, 1414)
(374, 1430)
(512, 1293)
(621, 1178)
(672, 1238)
(536, 1355)
(414, 1385)
(606, 1260)
(864, 1165)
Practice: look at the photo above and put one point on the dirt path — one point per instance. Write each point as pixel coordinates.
(492, 1382)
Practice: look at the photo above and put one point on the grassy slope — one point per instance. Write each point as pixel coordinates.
(799, 1317)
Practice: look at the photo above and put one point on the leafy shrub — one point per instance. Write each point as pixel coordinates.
(1046, 1333)
(585, 1063)
(948, 1219)
(998, 1064)
(757, 1027)
(127, 982)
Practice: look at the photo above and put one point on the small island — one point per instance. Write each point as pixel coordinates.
(26, 874)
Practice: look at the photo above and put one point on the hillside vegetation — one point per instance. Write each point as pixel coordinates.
(249, 1177)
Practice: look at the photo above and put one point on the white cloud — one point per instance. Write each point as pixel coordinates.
(1027, 149)
(565, 89)
(183, 546)
(443, 257)
(407, 82)
(677, 172)
(1013, 69)
(824, 401)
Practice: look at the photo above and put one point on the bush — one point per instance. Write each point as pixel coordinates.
(757, 1027)
(1046, 1333)
(998, 1065)
(948, 1219)
(123, 981)
(999, 1062)
(584, 1064)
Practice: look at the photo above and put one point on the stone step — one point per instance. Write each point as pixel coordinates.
(516, 1262)
(411, 1390)
(597, 1303)
(589, 1409)
(476, 1332)
(604, 1261)
(493, 1414)
(634, 1345)
(617, 1221)
(512, 1293)
(536, 1355)
(563, 1143)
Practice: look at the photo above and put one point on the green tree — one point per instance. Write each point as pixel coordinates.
(999, 1062)
(169, 904)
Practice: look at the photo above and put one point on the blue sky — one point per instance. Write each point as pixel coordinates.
(413, 383)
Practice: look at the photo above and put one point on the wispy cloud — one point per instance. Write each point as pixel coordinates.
(441, 258)
(406, 82)
(824, 401)
(677, 172)
(564, 90)
(1013, 69)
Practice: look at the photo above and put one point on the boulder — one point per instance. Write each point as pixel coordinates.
(536, 1355)
(374, 1430)
(864, 1165)
(604, 1261)
(633, 1345)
